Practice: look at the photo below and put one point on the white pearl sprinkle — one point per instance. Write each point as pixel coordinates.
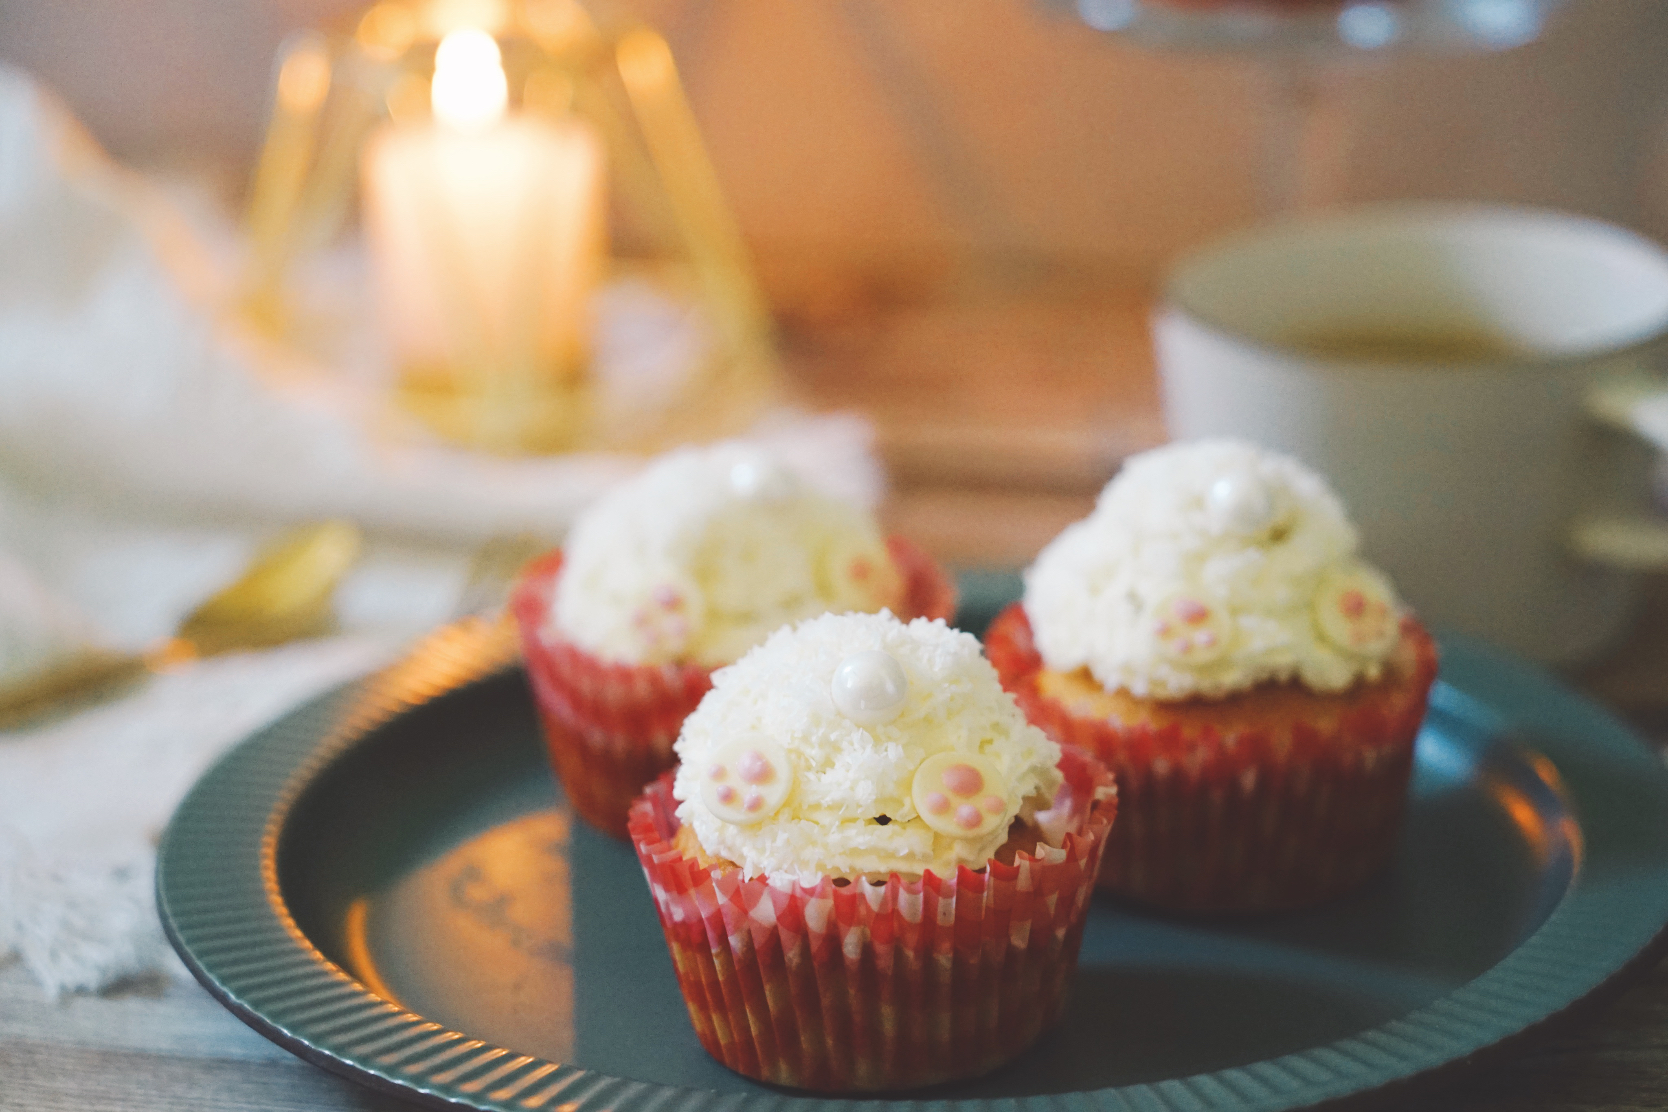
(1243, 503)
(870, 688)
(761, 479)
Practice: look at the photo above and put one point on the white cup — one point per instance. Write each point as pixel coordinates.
(1506, 492)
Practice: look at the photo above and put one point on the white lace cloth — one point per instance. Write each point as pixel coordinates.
(145, 450)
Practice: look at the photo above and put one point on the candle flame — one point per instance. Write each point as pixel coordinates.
(469, 90)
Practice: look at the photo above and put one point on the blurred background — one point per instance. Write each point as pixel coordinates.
(900, 170)
(870, 147)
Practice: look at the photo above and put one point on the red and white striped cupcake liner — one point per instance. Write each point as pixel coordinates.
(868, 987)
(610, 726)
(1219, 819)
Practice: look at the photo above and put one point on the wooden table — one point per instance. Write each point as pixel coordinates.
(1000, 423)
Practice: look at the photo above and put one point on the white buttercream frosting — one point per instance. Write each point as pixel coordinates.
(777, 704)
(706, 551)
(1206, 568)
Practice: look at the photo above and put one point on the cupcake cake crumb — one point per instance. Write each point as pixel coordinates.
(848, 719)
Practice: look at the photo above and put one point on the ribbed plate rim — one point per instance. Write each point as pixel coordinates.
(233, 931)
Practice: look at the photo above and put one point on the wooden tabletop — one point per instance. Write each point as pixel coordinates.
(1000, 420)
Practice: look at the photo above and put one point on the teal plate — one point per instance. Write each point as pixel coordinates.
(389, 883)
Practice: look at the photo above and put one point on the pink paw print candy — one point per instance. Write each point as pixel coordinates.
(1189, 630)
(1355, 611)
(962, 795)
(663, 622)
(746, 781)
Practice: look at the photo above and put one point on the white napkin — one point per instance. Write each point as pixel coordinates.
(147, 444)
(85, 799)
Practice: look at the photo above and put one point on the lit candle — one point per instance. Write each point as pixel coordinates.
(486, 232)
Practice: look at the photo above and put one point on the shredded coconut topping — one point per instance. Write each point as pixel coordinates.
(700, 556)
(1206, 568)
(851, 811)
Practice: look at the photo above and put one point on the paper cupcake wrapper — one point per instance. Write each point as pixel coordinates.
(1239, 820)
(928, 591)
(876, 987)
(609, 726)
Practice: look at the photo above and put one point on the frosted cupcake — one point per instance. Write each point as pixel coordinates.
(1211, 633)
(872, 872)
(674, 573)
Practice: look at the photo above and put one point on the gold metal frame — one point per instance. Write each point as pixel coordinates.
(668, 219)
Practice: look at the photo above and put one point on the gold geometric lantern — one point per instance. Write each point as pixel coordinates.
(552, 262)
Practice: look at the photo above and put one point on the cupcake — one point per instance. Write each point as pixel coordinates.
(1212, 635)
(674, 573)
(871, 871)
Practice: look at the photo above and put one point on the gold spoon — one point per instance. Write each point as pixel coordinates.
(283, 595)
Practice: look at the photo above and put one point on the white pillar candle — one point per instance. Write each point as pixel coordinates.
(486, 233)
